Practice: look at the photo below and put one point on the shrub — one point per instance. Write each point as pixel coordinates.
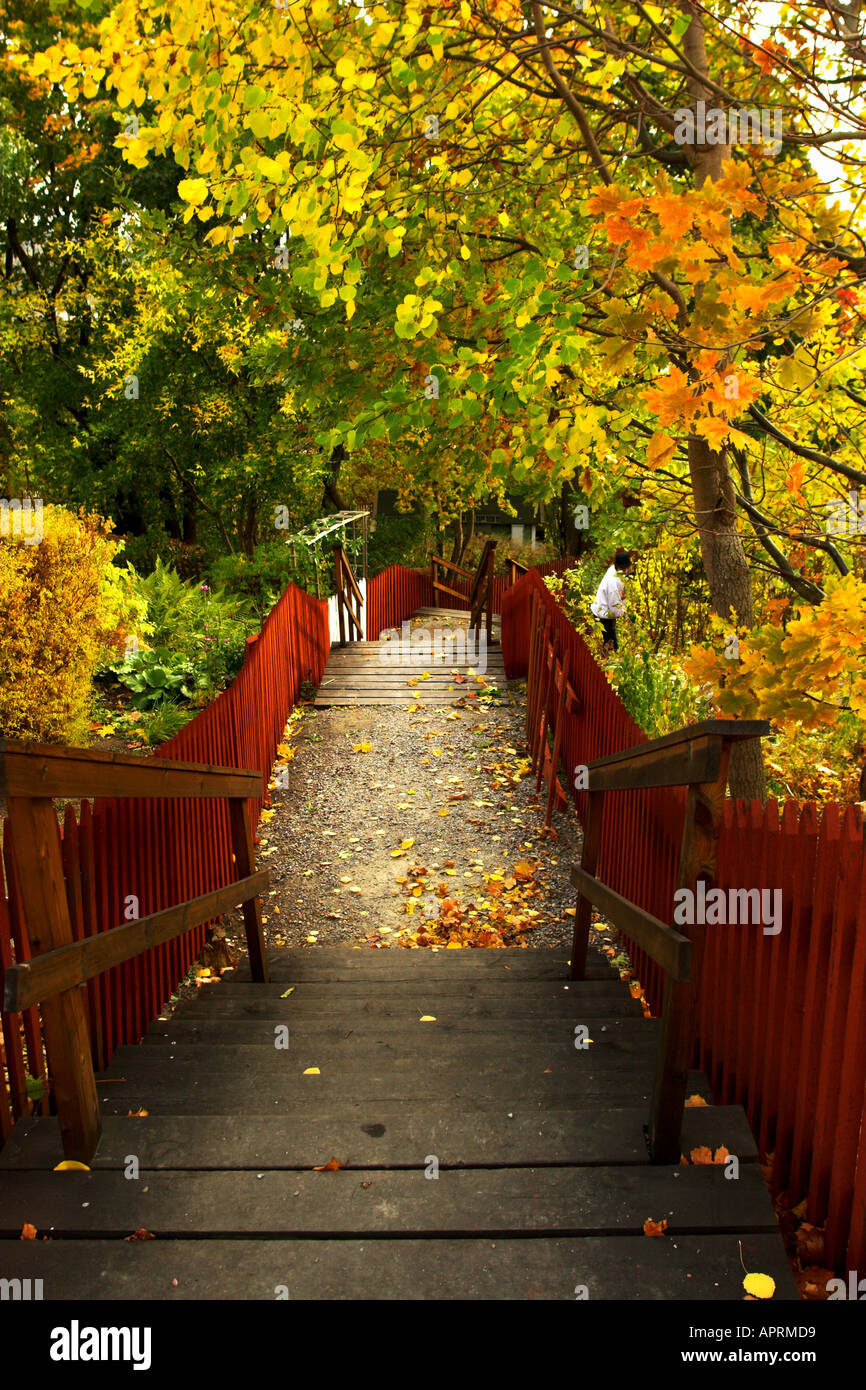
(64, 603)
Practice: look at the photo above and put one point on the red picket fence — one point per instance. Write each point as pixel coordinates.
(159, 852)
(394, 595)
(781, 1018)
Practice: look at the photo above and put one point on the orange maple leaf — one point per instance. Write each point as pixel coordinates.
(332, 1165)
(655, 1228)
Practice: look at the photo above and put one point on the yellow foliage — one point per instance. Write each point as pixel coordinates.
(61, 599)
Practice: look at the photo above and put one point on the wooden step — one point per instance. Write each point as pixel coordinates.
(343, 963)
(470, 1033)
(702, 1268)
(466, 1202)
(184, 1089)
(573, 1136)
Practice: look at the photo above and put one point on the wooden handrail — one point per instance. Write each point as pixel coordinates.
(34, 981)
(54, 770)
(31, 775)
(347, 586)
(667, 947)
(515, 569)
(480, 599)
(697, 757)
(448, 565)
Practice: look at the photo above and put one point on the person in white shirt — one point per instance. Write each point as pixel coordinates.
(609, 601)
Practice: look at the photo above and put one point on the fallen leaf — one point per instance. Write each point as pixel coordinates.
(694, 1100)
(701, 1155)
(427, 1018)
(655, 1228)
(137, 1114)
(331, 1166)
(141, 1234)
(759, 1285)
(362, 747)
(312, 1071)
(71, 1165)
(28, 1232)
(289, 991)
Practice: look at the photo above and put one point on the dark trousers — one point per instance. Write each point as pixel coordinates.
(608, 626)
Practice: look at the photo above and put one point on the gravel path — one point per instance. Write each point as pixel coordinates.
(413, 827)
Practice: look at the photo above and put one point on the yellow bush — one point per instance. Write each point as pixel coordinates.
(60, 605)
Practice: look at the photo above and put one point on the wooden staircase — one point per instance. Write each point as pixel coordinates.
(219, 1131)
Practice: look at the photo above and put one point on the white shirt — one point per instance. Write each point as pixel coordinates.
(608, 602)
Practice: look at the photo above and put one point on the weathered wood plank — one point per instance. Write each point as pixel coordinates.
(189, 1090)
(468, 1202)
(700, 1268)
(228, 1142)
(36, 769)
(344, 963)
(669, 948)
(471, 1032)
(674, 765)
(720, 728)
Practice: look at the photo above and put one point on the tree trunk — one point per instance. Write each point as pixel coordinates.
(725, 564)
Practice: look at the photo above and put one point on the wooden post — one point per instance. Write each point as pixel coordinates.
(433, 580)
(338, 558)
(698, 856)
(490, 593)
(64, 1020)
(245, 864)
(589, 862)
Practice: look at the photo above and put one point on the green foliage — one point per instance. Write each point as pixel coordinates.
(657, 694)
(164, 721)
(153, 677)
(645, 671)
(399, 540)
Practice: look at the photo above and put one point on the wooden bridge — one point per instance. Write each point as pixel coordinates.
(350, 1124)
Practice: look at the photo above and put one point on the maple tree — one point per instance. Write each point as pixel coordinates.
(498, 229)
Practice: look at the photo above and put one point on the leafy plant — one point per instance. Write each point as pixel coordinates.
(164, 721)
(155, 676)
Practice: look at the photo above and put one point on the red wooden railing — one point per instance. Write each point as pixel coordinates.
(781, 1023)
(160, 852)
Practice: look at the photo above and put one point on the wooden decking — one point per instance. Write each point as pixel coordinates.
(543, 1180)
(391, 672)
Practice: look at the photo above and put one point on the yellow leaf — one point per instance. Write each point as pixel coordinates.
(69, 1164)
(759, 1285)
(406, 844)
(312, 1071)
(427, 1018)
(660, 450)
(192, 191)
(362, 747)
